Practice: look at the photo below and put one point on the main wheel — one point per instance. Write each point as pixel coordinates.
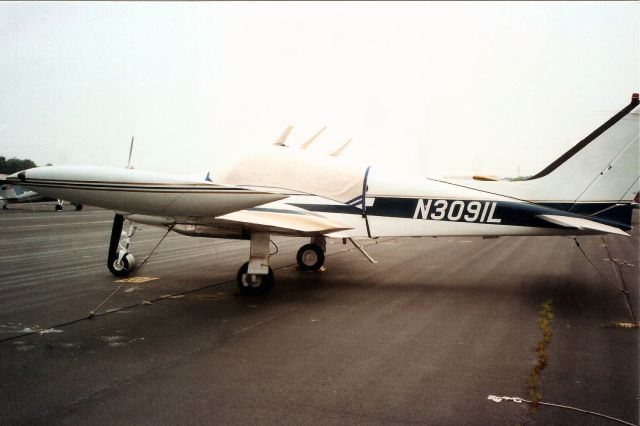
(58, 207)
(78, 207)
(124, 268)
(310, 257)
(255, 285)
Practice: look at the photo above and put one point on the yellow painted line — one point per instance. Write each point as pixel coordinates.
(214, 297)
(53, 224)
(136, 280)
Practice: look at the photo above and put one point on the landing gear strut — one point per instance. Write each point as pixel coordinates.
(310, 257)
(255, 277)
(120, 261)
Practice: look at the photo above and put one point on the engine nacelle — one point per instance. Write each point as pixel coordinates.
(207, 231)
(230, 231)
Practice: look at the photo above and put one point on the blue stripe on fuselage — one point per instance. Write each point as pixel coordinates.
(480, 211)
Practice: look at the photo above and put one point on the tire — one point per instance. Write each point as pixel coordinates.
(78, 207)
(310, 257)
(122, 269)
(260, 288)
(58, 207)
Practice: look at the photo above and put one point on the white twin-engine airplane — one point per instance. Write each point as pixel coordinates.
(287, 191)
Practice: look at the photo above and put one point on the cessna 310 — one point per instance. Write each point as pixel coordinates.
(287, 191)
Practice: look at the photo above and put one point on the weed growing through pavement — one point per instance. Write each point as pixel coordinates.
(545, 316)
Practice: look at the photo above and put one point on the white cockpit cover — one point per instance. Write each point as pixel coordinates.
(296, 170)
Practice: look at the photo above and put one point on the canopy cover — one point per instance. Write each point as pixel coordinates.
(297, 170)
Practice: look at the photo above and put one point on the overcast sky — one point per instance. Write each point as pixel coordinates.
(434, 88)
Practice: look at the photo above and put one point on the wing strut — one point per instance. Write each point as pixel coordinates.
(362, 250)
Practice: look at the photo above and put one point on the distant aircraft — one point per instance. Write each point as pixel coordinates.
(14, 194)
(288, 191)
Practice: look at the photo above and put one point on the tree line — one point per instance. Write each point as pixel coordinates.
(13, 165)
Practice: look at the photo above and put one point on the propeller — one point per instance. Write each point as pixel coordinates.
(129, 166)
(313, 138)
(283, 137)
(341, 148)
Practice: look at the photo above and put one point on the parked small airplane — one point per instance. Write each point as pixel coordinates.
(288, 191)
(14, 194)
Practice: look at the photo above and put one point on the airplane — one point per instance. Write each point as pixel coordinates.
(14, 194)
(291, 192)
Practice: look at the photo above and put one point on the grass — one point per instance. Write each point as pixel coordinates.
(545, 316)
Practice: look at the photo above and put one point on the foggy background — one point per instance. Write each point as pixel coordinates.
(430, 88)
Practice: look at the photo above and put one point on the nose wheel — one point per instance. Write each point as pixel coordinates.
(310, 257)
(253, 284)
(122, 265)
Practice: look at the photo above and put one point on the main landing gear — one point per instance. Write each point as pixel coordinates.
(255, 278)
(120, 261)
(310, 256)
(60, 203)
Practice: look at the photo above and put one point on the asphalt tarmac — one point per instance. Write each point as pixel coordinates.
(425, 336)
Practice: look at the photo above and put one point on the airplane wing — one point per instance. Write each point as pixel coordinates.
(580, 223)
(285, 221)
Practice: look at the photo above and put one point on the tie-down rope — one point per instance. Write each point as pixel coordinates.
(518, 400)
(93, 311)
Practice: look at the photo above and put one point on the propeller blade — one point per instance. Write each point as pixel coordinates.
(313, 138)
(129, 166)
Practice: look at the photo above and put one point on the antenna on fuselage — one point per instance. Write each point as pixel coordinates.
(129, 166)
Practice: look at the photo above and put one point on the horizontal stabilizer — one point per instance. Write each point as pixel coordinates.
(285, 220)
(581, 224)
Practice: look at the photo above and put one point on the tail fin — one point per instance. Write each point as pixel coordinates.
(599, 175)
(604, 165)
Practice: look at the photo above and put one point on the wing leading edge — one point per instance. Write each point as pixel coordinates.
(284, 221)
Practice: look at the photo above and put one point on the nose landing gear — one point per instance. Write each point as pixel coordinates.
(120, 261)
(123, 264)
